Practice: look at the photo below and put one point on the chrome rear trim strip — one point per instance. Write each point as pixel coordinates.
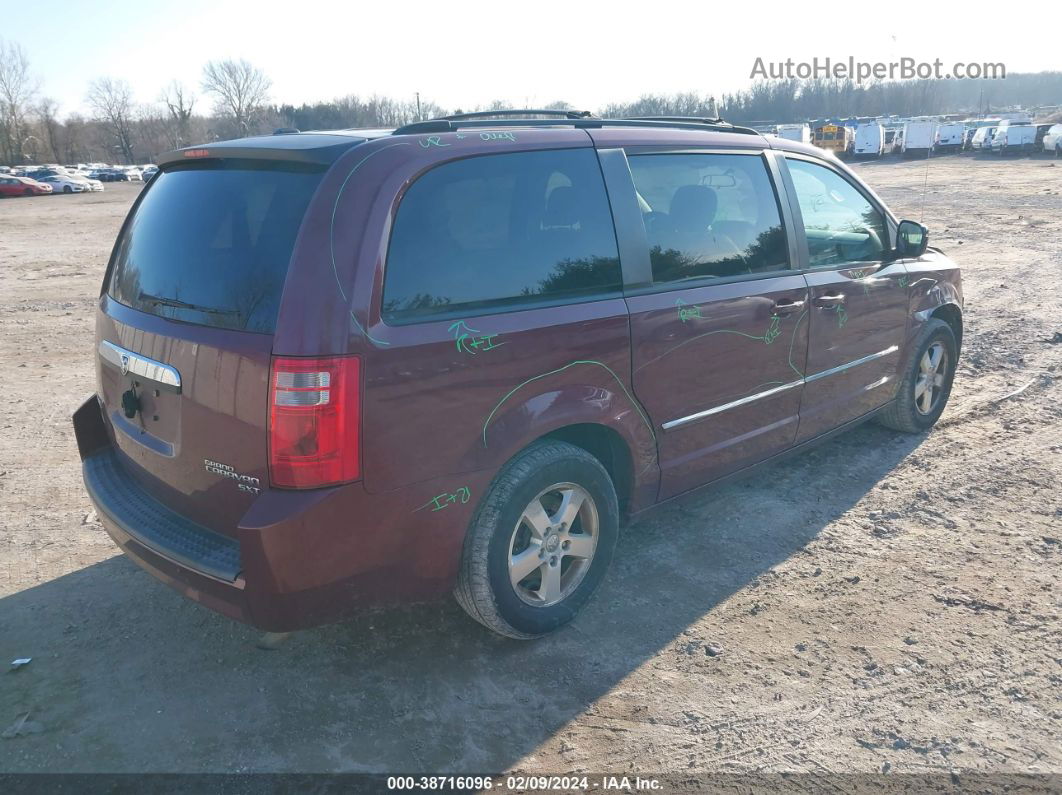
(667, 426)
(135, 364)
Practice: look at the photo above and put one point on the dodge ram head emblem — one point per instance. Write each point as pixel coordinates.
(125, 364)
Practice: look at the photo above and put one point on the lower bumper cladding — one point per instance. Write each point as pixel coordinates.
(154, 525)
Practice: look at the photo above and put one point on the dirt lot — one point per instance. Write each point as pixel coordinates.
(883, 603)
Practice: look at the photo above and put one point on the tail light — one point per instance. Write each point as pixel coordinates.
(314, 421)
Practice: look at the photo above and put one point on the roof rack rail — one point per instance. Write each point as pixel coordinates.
(451, 124)
(719, 122)
(701, 119)
(483, 114)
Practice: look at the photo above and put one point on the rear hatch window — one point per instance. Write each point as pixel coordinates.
(210, 243)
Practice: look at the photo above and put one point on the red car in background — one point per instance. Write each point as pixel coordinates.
(22, 186)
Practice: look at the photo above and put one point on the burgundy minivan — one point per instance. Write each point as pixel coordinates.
(346, 368)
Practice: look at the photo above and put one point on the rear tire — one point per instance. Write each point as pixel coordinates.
(923, 393)
(27, 192)
(540, 542)
(67, 189)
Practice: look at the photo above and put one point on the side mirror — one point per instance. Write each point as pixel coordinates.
(911, 240)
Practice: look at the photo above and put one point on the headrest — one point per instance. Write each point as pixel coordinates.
(694, 205)
(562, 209)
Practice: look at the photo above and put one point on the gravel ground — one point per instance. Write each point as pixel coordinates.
(885, 602)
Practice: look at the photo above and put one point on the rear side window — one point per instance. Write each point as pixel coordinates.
(498, 232)
(709, 216)
(211, 244)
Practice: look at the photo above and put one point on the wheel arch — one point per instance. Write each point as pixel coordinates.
(606, 445)
(952, 315)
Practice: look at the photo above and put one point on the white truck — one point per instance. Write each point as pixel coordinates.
(869, 140)
(950, 137)
(918, 138)
(795, 132)
(1014, 139)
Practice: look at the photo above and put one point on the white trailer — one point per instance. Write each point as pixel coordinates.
(918, 138)
(795, 132)
(869, 140)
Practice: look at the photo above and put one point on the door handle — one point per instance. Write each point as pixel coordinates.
(828, 301)
(786, 307)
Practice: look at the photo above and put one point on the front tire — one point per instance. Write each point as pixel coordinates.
(67, 189)
(923, 393)
(540, 542)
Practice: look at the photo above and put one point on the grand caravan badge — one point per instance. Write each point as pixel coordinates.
(251, 485)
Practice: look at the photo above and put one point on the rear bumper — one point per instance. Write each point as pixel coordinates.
(298, 559)
(151, 524)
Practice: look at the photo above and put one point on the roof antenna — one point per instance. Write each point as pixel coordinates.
(925, 182)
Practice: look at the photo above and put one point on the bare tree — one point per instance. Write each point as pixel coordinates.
(112, 102)
(239, 88)
(75, 139)
(17, 90)
(51, 128)
(180, 103)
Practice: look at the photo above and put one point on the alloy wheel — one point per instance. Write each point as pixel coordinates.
(553, 544)
(932, 370)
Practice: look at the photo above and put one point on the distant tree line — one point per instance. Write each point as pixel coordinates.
(120, 128)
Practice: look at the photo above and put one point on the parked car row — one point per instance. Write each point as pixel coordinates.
(1009, 137)
(106, 173)
(37, 181)
(922, 137)
(94, 172)
(118, 174)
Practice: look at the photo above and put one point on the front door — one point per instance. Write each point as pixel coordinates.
(859, 300)
(719, 337)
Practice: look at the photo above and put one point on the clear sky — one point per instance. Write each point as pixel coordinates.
(469, 52)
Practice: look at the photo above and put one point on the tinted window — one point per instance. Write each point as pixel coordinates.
(841, 225)
(708, 216)
(211, 245)
(483, 233)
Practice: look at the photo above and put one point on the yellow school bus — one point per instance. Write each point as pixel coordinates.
(836, 138)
